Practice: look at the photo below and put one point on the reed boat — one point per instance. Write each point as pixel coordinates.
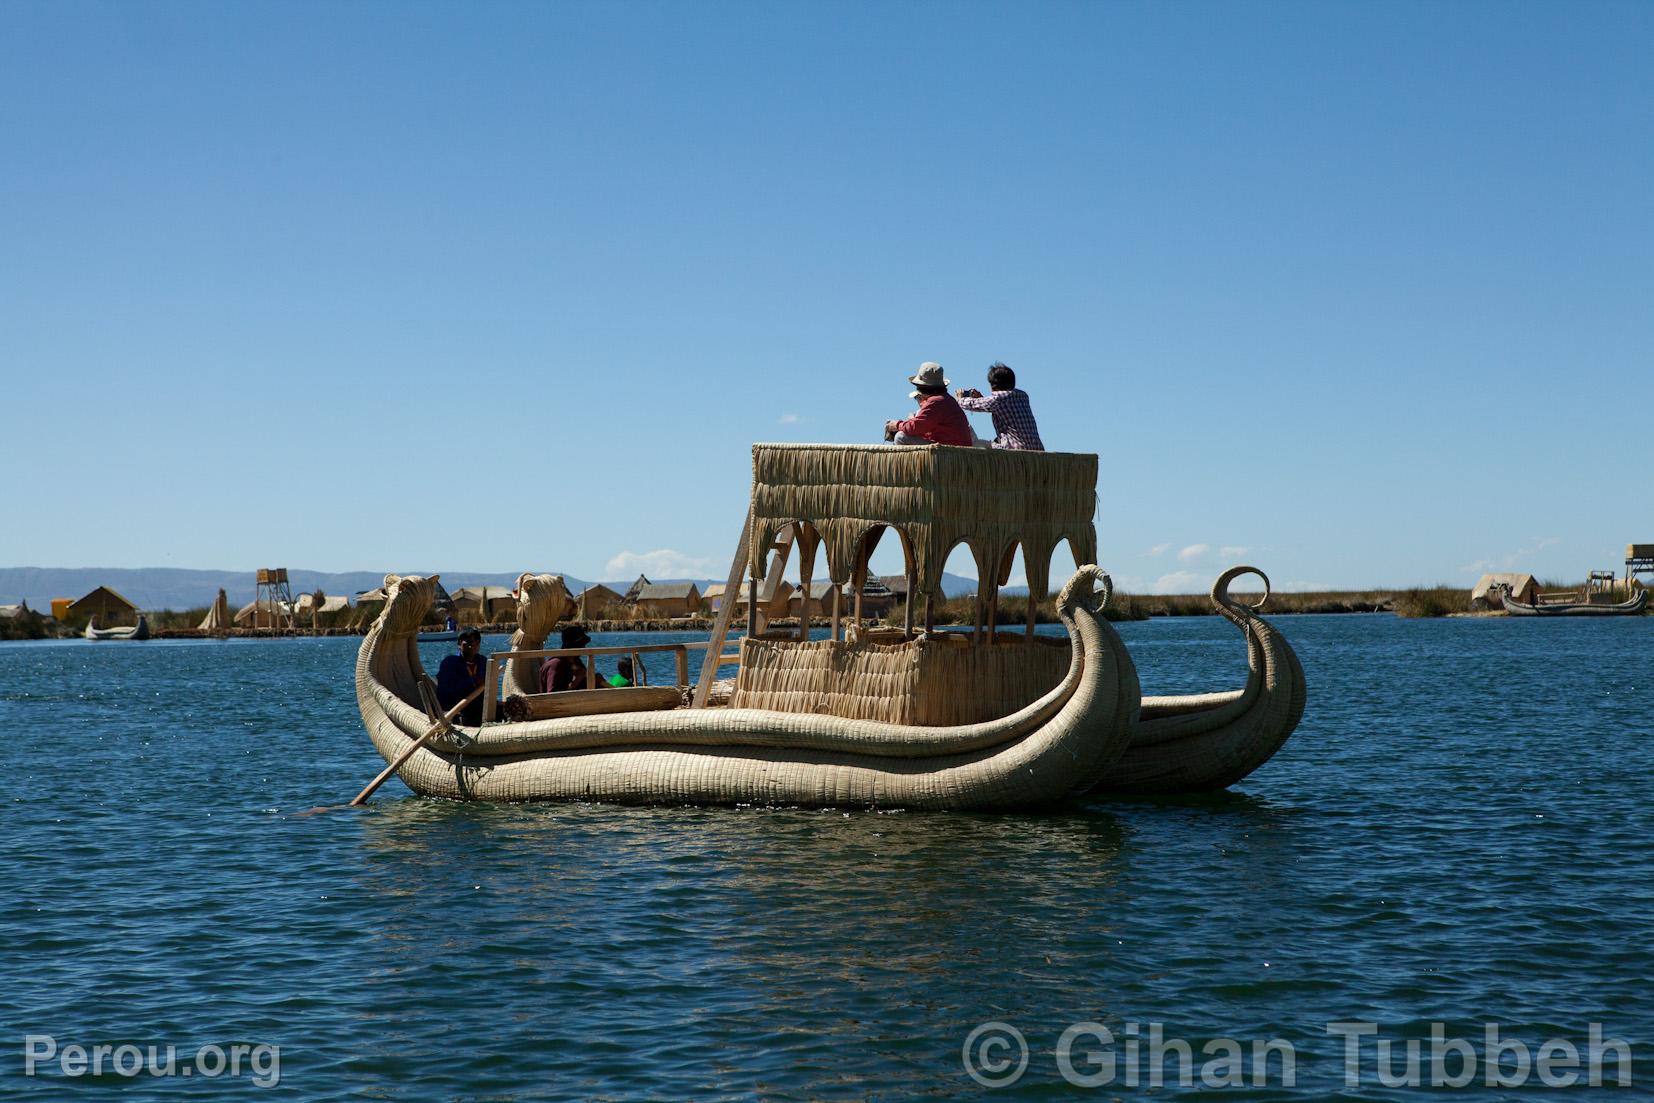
(1628, 608)
(872, 716)
(1202, 742)
(139, 631)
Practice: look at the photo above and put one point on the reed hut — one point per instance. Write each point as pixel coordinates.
(20, 612)
(817, 603)
(111, 609)
(1488, 594)
(667, 599)
(712, 598)
(635, 589)
(596, 602)
(484, 604)
(264, 613)
(877, 599)
(776, 609)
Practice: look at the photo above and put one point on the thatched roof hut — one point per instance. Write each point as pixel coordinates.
(776, 608)
(595, 602)
(819, 601)
(712, 598)
(1487, 595)
(668, 599)
(264, 613)
(111, 609)
(484, 604)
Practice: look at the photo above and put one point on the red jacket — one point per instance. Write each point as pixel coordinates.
(941, 420)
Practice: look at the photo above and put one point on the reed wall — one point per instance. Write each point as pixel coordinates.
(940, 683)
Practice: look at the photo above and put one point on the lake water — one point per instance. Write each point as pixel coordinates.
(1458, 834)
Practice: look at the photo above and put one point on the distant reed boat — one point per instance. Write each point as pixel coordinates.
(896, 717)
(139, 631)
(1628, 608)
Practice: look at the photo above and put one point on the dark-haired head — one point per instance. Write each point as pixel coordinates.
(1000, 377)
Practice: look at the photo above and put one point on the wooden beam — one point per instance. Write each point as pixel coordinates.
(726, 611)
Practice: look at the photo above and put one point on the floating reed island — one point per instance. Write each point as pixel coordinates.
(894, 717)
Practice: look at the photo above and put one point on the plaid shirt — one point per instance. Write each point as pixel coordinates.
(1013, 419)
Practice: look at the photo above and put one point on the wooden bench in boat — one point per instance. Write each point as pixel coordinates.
(591, 702)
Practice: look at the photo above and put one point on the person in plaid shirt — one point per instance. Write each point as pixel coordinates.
(1013, 418)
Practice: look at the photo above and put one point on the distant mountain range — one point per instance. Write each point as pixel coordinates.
(180, 588)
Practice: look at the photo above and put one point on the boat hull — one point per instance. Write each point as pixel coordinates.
(1631, 608)
(139, 631)
(1054, 748)
(1204, 742)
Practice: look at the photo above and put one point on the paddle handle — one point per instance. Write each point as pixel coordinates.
(407, 753)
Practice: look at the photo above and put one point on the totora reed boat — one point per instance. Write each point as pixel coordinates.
(139, 631)
(897, 717)
(1631, 607)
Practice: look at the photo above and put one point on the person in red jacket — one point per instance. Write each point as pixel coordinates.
(940, 419)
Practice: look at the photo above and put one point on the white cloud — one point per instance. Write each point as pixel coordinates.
(789, 419)
(1159, 549)
(1232, 551)
(661, 563)
(1511, 560)
(1194, 552)
(1180, 582)
(1300, 586)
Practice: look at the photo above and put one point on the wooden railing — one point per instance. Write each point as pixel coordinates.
(634, 651)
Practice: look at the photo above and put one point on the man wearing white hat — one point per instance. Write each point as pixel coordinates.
(940, 419)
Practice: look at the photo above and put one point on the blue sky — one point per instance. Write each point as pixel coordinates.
(1359, 293)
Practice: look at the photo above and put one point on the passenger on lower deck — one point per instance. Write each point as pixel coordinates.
(460, 674)
(562, 672)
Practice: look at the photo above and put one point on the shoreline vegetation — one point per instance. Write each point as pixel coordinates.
(1423, 601)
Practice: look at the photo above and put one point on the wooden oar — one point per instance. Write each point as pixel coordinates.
(396, 763)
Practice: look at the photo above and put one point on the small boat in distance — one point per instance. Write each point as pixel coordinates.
(448, 633)
(1628, 608)
(139, 631)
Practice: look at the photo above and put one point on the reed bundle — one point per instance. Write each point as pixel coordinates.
(930, 683)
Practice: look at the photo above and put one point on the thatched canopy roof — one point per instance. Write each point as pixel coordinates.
(935, 497)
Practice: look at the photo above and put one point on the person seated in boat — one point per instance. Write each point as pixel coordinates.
(562, 672)
(939, 420)
(623, 678)
(1014, 426)
(460, 674)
